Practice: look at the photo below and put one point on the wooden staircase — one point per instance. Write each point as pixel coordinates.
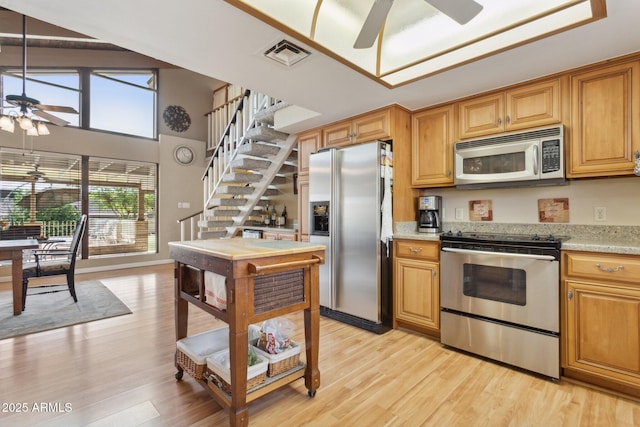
(248, 161)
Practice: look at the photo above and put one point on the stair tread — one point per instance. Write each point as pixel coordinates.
(235, 189)
(258, 149)
(267, 115)
(264, 133)
(227, 201)
(250, 164)
(241, 177)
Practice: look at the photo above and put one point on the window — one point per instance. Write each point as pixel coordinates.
(120, 101)
(39, 190)
(122, 206)
(123, 102)
(41, 196)
(49, 87)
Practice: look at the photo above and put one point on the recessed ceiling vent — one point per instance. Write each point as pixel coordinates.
(286, 53)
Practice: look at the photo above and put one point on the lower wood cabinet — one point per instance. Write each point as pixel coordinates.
(417, 285)
(601, 304)
(279, 235)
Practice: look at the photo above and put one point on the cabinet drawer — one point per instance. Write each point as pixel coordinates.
(611, 267)
(417, 249)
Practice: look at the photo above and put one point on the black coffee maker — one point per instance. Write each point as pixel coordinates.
(429, 214)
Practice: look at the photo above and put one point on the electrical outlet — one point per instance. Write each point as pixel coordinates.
(459, 213)
(600, 213)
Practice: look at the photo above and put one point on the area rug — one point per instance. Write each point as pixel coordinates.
(56, 310)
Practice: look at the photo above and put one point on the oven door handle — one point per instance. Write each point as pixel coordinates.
(503, 254)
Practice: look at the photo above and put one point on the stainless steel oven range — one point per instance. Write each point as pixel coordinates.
(499, 296)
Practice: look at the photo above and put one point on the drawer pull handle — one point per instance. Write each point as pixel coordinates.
(415, 250)
(608, 269)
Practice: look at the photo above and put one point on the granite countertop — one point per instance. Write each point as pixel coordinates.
(590, 238)
(239, 248)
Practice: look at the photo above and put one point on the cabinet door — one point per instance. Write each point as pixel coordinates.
(605, 104)
(603, 330)
(481, 116)
(308, 143)
(432, 147)
(372, 126)
(303, 209)
(534, 105)
(287, 236)
(338, 134)
(270, 235)
(417, 295)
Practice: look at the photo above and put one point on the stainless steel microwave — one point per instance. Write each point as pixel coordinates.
(533, 157)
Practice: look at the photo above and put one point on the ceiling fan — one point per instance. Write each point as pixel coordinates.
(30, 105)
(35, 174)
(461, 11)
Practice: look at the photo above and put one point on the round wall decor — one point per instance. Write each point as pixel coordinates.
(176, 118)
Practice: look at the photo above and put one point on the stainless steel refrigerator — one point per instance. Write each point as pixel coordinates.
(346, 191)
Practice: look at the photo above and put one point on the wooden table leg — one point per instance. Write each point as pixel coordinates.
(237, 308)
(181, 306)
(312, 334)
(16, 277)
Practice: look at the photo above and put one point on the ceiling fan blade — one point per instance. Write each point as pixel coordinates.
(461, 11)
(56, 108)
(372, 25)
(53, 119)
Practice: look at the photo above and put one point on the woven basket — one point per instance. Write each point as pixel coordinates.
(192, 351)
(219, 373)
(189, 365)
(272, 291)
(281, 362)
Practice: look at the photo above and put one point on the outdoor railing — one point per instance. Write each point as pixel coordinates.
(58, 228)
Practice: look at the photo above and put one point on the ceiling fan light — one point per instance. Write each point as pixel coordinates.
(32, 131)
(6, 124)
(42, 129)
(25, 123)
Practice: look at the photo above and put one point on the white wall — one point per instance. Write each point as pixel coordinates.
(620, 197)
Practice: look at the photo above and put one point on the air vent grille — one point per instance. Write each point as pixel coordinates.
(286, 53)
(550, 132)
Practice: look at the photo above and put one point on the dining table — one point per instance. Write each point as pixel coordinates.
(11, 250)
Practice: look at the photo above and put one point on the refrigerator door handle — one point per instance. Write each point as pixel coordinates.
(334, 225)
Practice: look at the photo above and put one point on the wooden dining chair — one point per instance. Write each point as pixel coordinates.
(53, 262)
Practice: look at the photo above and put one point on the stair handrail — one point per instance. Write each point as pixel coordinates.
(193, 225)
(227, 129)
(249, 125)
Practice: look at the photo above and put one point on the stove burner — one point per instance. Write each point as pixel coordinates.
(504, 239)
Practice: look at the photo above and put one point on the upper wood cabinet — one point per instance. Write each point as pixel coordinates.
(365, 128)
(308, 143)
(605, 103)
(432, 147)
(537, 104)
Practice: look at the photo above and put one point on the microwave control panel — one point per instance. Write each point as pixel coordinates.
(551, 155)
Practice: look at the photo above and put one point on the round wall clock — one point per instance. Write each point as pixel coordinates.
(184, 155)
(176, 118)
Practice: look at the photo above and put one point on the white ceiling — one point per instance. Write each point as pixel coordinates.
(214, 38)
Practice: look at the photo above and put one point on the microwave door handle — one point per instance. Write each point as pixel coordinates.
(499, 254)
(535, 160)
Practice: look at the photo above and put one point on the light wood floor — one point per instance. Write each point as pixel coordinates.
(119, 372)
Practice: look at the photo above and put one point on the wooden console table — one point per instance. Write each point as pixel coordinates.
(246, 263)
(11, 250)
